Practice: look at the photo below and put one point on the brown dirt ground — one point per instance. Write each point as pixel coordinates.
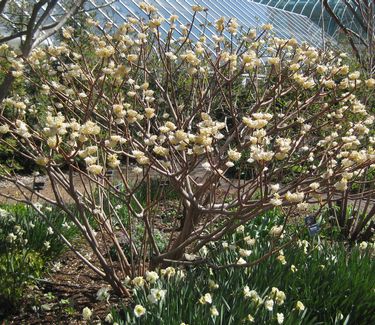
(73, 282)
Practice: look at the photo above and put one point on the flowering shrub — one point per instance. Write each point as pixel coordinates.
(184, 111)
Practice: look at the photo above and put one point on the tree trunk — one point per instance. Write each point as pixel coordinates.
(5, 86)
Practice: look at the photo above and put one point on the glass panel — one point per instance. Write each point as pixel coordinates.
(249, 14)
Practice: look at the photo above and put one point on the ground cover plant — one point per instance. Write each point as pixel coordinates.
(27, 245)
(151, 106)
(313, 281)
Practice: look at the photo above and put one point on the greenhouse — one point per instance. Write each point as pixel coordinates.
(249, 15)
(314, 10)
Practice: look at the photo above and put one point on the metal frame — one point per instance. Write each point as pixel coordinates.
(313, 10)
(249, 13)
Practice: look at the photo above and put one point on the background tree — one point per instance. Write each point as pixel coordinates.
(32, 23)
(361, 41)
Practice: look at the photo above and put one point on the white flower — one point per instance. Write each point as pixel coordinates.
(139, 311)
(190, 257)
(241, 261)
(268, 304)
(137, 170)
(86, 313)
(50, 230)
(109, 318)
(66, 225)
(314, 186)
(280, 318)
(276, 201)
(250, 293)
(152, 276)
(249, 241)
(275, 188)
(156, 295)
(56, 267)
(363, 245)
(47, 245)
(103, 294)
(206, 165)
(214, 312)
(244, 252)
(276, 231)
(203, 251)
(273, 60)
(206, 299)
(11, 237)
(370, 83)
(240, 229)
(279, 295)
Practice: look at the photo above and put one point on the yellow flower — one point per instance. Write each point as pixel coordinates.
(150, 112)
(197, 8)
(274, 61)
(300, 306)
(267, 27)
(294, 197)
(95, 169)
(234, 155)
(341, 185)
(250, 318)
(370, 83)
(354, 75)
(161, 151)
(138, 281)
(4, 129)
(41, 161)
(132, 57)
(105, 52)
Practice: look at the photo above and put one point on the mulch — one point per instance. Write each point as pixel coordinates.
(60, 297)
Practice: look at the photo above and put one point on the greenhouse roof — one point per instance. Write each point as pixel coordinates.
(313, 10)
(249, 14)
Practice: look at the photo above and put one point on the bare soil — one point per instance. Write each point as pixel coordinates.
(60, 296)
